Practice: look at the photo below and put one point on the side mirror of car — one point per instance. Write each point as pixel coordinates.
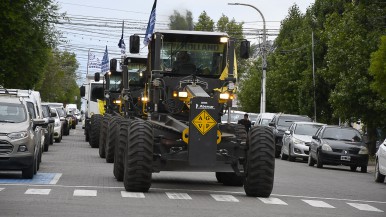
(287, 132)
(51, 120)
(62, 119)
(38, 122)
(272, 124)
(315, 137)
(53, 113)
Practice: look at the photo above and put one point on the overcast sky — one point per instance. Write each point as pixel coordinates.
(136, 14)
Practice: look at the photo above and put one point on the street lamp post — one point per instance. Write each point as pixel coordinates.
(264, 58)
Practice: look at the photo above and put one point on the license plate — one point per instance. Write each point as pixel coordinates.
(345, 158)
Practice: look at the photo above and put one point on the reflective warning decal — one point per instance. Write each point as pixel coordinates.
(204, 122)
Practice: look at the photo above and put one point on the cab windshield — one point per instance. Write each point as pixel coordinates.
(188, 57)
(12, 113)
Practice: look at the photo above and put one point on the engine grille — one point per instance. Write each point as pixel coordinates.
(5, 147)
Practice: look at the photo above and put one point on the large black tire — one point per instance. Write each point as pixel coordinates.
(378, 176)
(112, 137)
(139, 157)
(260, 165)
(119, 152)
(102, 137)
(95, 124)
(220, 177)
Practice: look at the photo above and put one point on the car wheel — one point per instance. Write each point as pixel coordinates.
(319, 163)
(290, 157)
(364, 169)
(378, 176)
(28, 173)
(282, 155)
(119, 152)
(311, 161)
(353, 168)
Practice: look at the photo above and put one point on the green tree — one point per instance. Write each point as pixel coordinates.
(181, 22)
(234, 29)
(26, 37)
(205, 23)
(378, 68)
(59, 78)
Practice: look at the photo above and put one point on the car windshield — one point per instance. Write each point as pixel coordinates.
(306, 129)
(286, 121)
(115, 82)
(265, 122)
(61, 112)
(235, 117)
(187, 57)
(12, 113)
(344, 134)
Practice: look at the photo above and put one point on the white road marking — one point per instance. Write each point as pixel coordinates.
(224, 198)
(38, 191)
(178, 196)
(55, 179)
(132, 194)
(272, 200)
(85, 193)
(1, 189)
(318, 203)
(364, 207)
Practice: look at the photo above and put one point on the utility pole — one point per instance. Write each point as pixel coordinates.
(264, 58)
(313, 75)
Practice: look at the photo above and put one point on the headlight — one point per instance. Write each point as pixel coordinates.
(117, 101)
(297, 141)
(224, 95)
(326, 147)
(18, 135)
(182, 94)
(363, 150)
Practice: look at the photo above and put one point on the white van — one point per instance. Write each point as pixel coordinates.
(263, 119)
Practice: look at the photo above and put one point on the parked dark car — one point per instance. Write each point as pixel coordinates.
(280, 123)
(336, 145)
(49, 129)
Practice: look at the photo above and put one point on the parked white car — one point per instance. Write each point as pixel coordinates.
(297, 139)
(380, 163)
(263, 119)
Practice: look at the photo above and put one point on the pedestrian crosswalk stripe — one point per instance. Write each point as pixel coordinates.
(1, 189)
(85, 193)
(224, 198)
(132, 194)
(38, 191)
(318, 203)
(178, 196)
(272, 200)
(364, 207)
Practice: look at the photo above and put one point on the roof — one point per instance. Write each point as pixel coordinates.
(187, 32)
(308, 123)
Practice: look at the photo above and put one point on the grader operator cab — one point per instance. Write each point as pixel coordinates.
(123, 87)
(190, 83)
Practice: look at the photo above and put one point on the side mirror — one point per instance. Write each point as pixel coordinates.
(272, 124)
(134, 44)
(97, 76)
(287, 132)
(38, 122)
(62, 119)
(113, 65)
(244, 49)
(82, 91)
(51, 121)
(315, 137)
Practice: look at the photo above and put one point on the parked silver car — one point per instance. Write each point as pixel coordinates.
(19, 140)
(296, 140)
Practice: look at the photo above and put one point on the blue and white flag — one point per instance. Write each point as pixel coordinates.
(150, 25)
(122, 45)
(105, 62)
(93, 61)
